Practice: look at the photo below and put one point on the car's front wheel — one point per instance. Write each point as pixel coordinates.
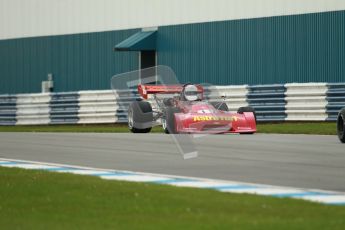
(168, 121)
(140, 117)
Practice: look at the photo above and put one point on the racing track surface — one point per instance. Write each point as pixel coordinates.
(305, 161)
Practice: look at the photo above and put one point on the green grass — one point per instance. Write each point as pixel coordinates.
(322, 128)
(45, 200)
(325, 128)
(104, 128)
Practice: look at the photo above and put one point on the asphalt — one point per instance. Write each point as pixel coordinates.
(304, 161)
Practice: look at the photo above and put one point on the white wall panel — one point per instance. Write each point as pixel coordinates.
(27, 18)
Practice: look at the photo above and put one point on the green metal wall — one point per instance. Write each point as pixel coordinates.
(299, 48)
(78, 62)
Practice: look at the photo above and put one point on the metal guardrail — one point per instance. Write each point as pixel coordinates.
(268, 102)
(8, 109)
(293, 102)
(335, 97)
(306, 102)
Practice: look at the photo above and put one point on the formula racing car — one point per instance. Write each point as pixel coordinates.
(183, 109)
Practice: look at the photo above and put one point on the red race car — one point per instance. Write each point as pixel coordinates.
(183, 109)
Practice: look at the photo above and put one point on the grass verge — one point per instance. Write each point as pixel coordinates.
(322, 128)
(33, 199)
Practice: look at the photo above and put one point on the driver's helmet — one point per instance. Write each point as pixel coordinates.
(190, 93)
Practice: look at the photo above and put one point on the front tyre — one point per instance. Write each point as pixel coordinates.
(140, 117)
(340, 125)
(168, 121)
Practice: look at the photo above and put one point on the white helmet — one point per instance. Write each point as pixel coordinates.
(190, 93)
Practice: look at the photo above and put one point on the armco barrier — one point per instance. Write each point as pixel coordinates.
(335, 99)
(97, 107)
(8, 109)
(104, 106)
(306, 101)
(234, 96)
(268, 102)
(33, 109)
(292, 102)
(64, 108)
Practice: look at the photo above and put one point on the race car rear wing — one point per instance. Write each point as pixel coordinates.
(145, 90)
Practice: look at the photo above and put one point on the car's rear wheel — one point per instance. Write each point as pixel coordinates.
(168, 101)
(341, 125)
(168, 121)
(220, 105)
(140, 117)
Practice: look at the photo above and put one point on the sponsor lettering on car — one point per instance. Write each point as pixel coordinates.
(214, 118)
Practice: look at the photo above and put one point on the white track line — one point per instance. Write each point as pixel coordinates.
(321, 196)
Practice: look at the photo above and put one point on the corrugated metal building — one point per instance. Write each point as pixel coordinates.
(219, 42)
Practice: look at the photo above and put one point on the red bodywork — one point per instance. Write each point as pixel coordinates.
(201, 116)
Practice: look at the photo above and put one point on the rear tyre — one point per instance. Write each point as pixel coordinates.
(222, 106)
(168, 102)
(140, 117)
(341, 125)
(169, 124)
(249, 109)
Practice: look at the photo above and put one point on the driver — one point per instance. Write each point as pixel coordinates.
(190, 93)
